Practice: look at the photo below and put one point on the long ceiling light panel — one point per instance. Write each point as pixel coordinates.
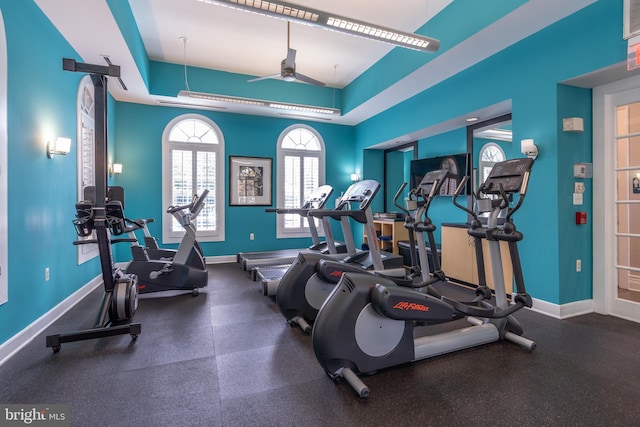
(258, 103)
(318, 18)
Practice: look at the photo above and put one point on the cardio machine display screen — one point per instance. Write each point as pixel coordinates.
(456, 164)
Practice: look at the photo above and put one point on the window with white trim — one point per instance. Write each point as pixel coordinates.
(193, 161)
(85, 163)
(490, 154)
(300, 170)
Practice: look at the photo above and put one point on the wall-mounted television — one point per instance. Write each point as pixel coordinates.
(457, 165)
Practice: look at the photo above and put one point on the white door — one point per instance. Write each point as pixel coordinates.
(616, 225)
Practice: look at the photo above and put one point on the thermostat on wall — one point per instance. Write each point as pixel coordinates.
(573, 124)
(583, 170)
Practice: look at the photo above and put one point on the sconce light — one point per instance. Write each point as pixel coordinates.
(62, 147)
(355, 177)
(528, 148)
(115, 169)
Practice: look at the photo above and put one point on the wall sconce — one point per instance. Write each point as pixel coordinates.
(115, 169)
(355, 177)
(528, 148)
(62, 147)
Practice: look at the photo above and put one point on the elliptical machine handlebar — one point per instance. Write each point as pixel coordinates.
(198, 203)
(464, 208)
(397, 196)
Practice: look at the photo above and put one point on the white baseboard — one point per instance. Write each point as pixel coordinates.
(220, 259)
(563, 311)
(24, 337)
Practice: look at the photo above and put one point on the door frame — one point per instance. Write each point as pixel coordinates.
(605, 100)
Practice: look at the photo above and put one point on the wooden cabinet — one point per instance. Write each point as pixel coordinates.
(391, 232)
(459, 257)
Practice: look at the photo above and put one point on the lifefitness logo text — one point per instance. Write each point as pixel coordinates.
(403, 305)
(35, 415)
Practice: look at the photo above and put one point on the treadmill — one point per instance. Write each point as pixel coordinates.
(282, 258)
(354, 204)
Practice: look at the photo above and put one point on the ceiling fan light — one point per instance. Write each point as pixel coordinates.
(289, 78)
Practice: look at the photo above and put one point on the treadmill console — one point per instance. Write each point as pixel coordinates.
(318, 198)
(361, 192)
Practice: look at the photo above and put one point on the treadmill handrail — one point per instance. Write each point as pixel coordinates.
(358, 215)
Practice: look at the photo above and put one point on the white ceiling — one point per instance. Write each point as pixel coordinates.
(230, 40)
(225, 39)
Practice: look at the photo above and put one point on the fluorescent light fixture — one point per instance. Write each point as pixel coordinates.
(191, 104)
(330, 21)
(259, 103)
(61, 147)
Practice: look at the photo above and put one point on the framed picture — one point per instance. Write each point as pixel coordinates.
(249, 181)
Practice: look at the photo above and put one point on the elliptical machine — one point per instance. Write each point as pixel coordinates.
(368, 322)
(309, 280)
(187, 269)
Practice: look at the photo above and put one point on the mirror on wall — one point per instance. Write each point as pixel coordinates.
(489, 142)
(397, 162)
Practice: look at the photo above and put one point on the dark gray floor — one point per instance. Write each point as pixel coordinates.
(227, 358)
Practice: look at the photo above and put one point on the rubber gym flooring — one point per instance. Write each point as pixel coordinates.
(227, 358)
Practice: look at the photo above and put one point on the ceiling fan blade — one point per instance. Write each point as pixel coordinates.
(290, 60)
(303, 78)
(272, 76)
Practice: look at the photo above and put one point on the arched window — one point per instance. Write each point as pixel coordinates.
(193, 161)
(85, 162)
(490, 154)
(300, 170)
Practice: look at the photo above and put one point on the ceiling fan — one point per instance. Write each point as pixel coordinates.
(288, 67)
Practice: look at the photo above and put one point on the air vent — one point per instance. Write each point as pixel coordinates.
(348, 283)
(631, 18)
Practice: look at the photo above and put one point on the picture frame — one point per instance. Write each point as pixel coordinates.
(250, 181)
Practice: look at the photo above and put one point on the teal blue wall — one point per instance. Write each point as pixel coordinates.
(42, 192)
(527, 73)
(168, 80)
(574, 241)
(139, 148)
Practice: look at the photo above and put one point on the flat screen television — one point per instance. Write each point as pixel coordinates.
(456, 164)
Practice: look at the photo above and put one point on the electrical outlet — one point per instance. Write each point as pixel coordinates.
(46, 274)
(578, 265)
(251, 236)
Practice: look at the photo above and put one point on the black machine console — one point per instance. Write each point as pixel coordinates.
(511, 176)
